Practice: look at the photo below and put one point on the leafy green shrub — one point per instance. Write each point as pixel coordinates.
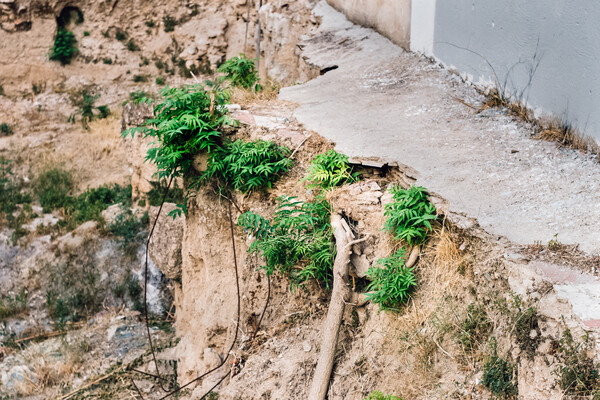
(241, 72)
(140, 78)
(409, 215)
(104, 111)
(88, 206)
(160, 80)
(380, 396)
(247, 166)
(392, 283)
(297, 242)
(329, 170)
(86, 33)
(156, 194)
(11, 306)
(127, 229)
(53, 187)
(138, 95)
(183, 126)
(107, 60)
(149, 24)
(498, 376)
(475, 327)
(121, 35)
(169, 23)
(132, 45)
(65, 46)
(10, 190)
(579, 375)
(6, 129)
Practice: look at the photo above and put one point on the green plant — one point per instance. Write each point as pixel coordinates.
(52, 187)
(247, 166)
(88, 206)
(410, 214)
(149, 24)
(86, 33)
(140, 78)
(186, 122)
(579, 375)
(10, 190)
(65, 46)
(132, 46)
(241, 72)
(498, 377)
(329, 170)
(377, 395)
(6, 129)
(127, 228)
(297, 242)
(392, 283)
(38, 87)
(156, 194)
(169, 23)
(107, 60)
(11, 306)
(160, 80)
(104, 111)
(475, 327)
(121, 35)
(138, 95)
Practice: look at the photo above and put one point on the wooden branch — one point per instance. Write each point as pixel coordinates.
(300, 145)
(340, 295)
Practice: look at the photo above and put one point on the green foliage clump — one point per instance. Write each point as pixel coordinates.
(498, 377)
(6, 129)
(11, 306)
(121, 35)
(156, 194)
(160, 80)
(409, 216)
(53, 187)
(377, 395)
(149, 24)
(475, 327)
(86, 33)
(329, 170)
(130, 287)
(186, 123)
(65, 46)
(579, 375)
(107, 60)
(392, 283)
(128, 228)
(132, 45)
(139, 95)
(297, 242)
(140, 78)
(247, 166)
(241, 72)
(169, 23)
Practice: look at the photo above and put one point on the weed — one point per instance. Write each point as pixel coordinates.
(107, 60)
(156, 194)
(498, 377)
(409, 215)
(160, 80)
(169, 23)
(186, 122)
(138, 95)
(241, 72)
(248, 166)
(377, 395)
(297, 242)
(11, 194)
(132, 46)
(14, 305)
(86, 33)
(104, 111)
(329, 170)
(127, 228)
(6, 129)
(53, 187)
(130, 288)
(475, 327)
(65, 46)
(149, 24)
(121, 35)
(38, 87)
(527, 330)
(140, 78)
(391, 283)
(89, 205)
(579, 374)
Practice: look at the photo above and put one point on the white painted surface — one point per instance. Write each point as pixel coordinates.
(422, 26)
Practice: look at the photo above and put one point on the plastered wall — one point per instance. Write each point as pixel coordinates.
(391, 18)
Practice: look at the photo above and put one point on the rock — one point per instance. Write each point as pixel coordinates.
(135, 114)
(111, 213)
(165, 248)
(75, 239)
(361, 265)
(306, 346)
(211, 358)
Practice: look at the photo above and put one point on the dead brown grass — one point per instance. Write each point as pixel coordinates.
(248, 97)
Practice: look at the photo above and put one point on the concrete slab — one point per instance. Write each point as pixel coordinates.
(382, 101)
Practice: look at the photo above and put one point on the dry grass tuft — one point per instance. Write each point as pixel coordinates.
(269, 92)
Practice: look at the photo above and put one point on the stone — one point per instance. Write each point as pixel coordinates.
(165, 247)
(361, 265)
